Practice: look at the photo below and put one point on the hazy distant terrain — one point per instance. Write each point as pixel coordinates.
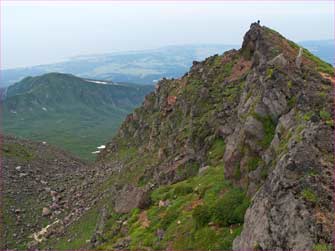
(141, 67)
(144, 67)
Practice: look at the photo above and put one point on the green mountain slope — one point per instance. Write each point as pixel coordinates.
(72, 113)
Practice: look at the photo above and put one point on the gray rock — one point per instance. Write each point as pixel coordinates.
(131, 197)
(279, 61)
(46, 211)
(254, 128)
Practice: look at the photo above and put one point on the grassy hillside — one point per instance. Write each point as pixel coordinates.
(70, 112)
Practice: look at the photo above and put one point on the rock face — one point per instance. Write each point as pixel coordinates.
(293, 209)
(271, 103)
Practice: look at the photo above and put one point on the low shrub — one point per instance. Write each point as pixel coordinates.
(183, 189)
(231, 208)
(202, 215)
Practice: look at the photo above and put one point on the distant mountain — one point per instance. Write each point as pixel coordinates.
(142, 67)
(74, 113)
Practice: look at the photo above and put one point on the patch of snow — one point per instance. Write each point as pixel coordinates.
(97, 82)
(18, 168)
(101, 147)
(44, 143)
(96, 152)
(44, 109)
(101, 82)
(12, 111)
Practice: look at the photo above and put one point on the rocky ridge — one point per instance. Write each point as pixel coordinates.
(271, 104)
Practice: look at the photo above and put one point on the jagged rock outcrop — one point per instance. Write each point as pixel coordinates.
(270, 112)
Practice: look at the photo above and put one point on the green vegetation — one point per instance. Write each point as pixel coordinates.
(307, 116)
(68, 112)
(227, 68)
(202, 215)
(269, 72)
(253, 163)
(231, 208)
(293, 44)
(320, 64)
(202, 212)
(216, 152)
(309, 195)
(269, 128)
(292, 101)
(237, 172)
(325, 115)
(232, 91)
(18, 151)
(323, 247)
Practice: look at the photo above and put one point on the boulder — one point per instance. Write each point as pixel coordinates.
(131, 197)
(46, 211)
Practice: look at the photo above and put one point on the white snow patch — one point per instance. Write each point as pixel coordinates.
(97, 82)
(101, 82)
(12, 111)
(96, 152)
(101, 147)
(44, 109)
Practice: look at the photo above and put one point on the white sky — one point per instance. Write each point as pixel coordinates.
(39, 32)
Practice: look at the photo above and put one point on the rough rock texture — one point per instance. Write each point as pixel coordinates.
(293, 209)
(271, 114)
(44, 189)
(282, 215)
(131, 197)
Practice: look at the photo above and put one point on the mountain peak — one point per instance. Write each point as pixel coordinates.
(263, 46)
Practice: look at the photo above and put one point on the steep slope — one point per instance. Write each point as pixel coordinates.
(70, 112)
(265, 114)
(238, 153)
(43, 190)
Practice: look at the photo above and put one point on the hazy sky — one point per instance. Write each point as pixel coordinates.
(38, 32)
